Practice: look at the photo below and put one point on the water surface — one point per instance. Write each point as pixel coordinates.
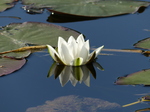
(30, 87)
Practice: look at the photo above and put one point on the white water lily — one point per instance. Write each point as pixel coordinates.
(75, 52)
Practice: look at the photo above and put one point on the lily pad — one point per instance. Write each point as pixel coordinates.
(8, 65)
(145, 43)
(5, 4)
(138, 78)
(90, 8)
(17, 35)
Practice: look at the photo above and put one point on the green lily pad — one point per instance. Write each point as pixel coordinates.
(5, 4)
(138, 78)
(8, 65)
(92, 8)
(17, 35)
(145, 43)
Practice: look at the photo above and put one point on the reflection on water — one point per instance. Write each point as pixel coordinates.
(74, 103)
(143, 110)
(64, 18)
(74, 74)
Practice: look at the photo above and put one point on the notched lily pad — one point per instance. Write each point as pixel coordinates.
(6, 4)
(88, 8)
(8, 65)
(138, 78)
(145, 43)
(17, 35)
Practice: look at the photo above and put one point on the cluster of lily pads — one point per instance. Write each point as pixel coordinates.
(18, 40)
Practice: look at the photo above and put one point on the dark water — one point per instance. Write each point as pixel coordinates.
(30, 87)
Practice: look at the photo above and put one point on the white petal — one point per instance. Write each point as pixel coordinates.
(73, 48)
(52, 52)
(71, 39)
(80, 38)
(80, 43)
(91, 57)
(97, 51)
(60, 41)
(84, 52)
(64, 53)
(62, 49)
(87, 45)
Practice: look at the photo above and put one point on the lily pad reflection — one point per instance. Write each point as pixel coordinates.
(74, 74)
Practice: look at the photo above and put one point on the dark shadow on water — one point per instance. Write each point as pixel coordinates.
(64, 18)
(60, 17)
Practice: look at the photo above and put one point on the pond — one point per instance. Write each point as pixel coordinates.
(30, 90)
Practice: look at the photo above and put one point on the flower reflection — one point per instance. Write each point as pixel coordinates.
(74, 74)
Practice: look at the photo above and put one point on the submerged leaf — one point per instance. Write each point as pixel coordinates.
(8, 65)
(138, 78)
(89, 8)
(18, 35)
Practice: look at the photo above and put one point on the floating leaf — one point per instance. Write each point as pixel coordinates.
(8, 65)
(17, 35)
(89, 8)
(141, 77)
(5, 4)
(145, 43)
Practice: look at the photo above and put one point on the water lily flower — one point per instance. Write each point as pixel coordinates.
(75, 52)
